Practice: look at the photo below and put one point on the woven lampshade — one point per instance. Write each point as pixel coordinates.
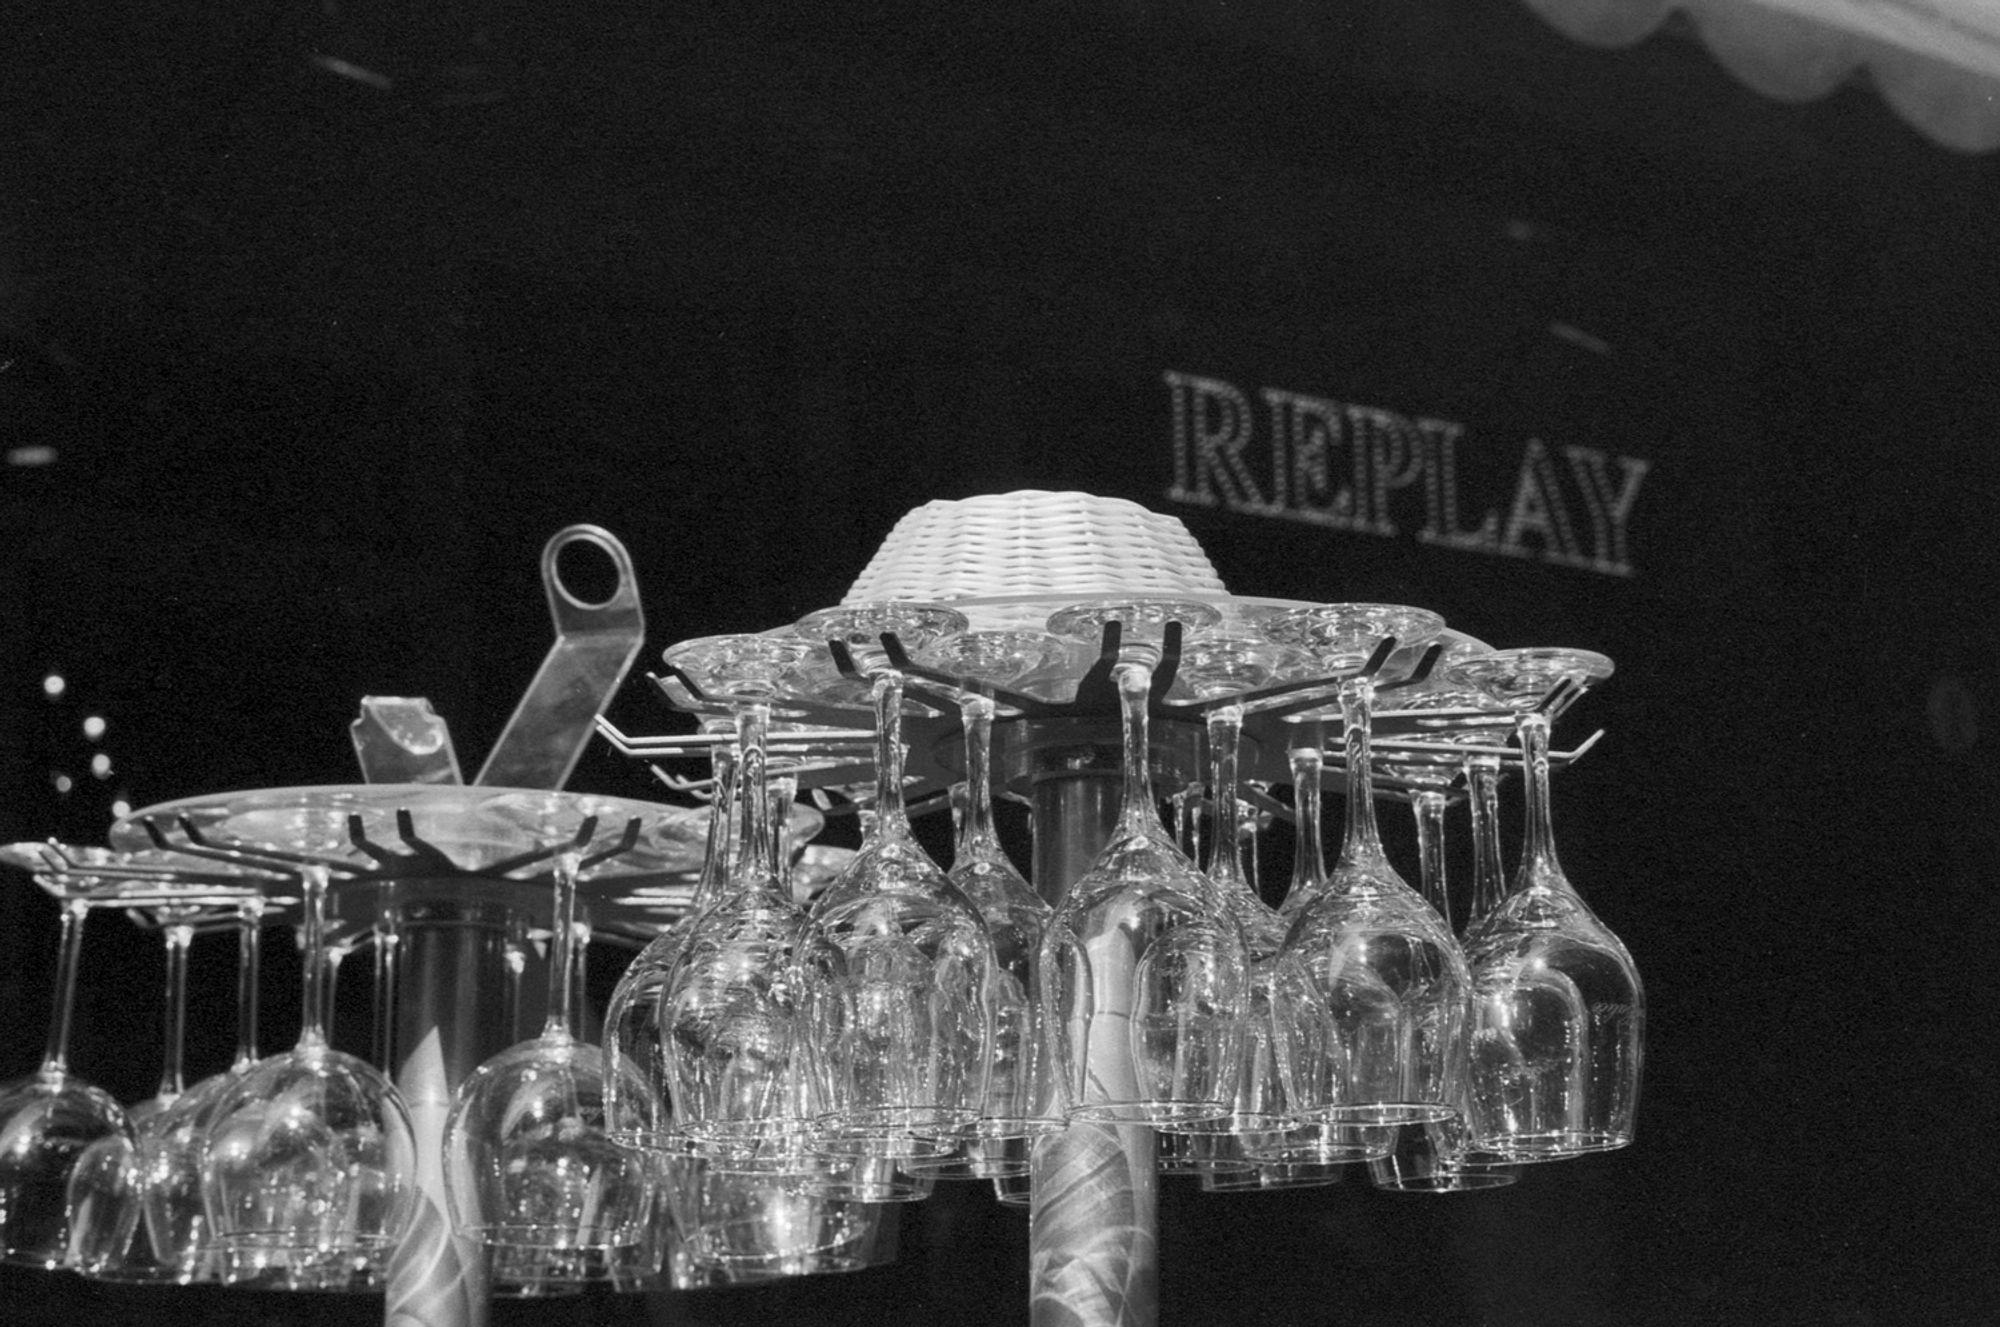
(1035, 543)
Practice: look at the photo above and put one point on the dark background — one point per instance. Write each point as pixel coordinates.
(324, 363)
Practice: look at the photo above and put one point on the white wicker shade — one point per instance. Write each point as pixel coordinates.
(1035, 543)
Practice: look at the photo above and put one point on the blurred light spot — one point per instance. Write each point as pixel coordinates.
(32, 455)
(340, 68)
(121, 808)
(64, 783)
(1953, 714)
(100, 765)
(1521, 231)
(93, 727)
(53, 685)
(1576, 336)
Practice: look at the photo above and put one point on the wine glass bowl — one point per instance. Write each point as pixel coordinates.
(50, 1118)
(539, 1167)
(310, 1164)
(48, 1123)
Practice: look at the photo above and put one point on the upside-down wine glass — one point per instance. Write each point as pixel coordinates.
(176, 1149)
(532, 1167)
(1258, 1106)
(108, 1238)
(1558, 1009)
(311, 1160)
(1438, 1157)
(48, 1118)
(1384, 963)
(1145, 975)
(633, 1030)
(1020, 1101)
(894, 967)
(730, 1011)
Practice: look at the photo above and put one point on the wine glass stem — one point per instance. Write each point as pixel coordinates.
(517, 942)
(721, 841)
(1428, 806)
(1539, 849)
(977, 828)
(249, 955)
(1137, 815)
(784, 790)
(1363, 842)
(69, 943)
(1225, 729)
(890, 817)
(172, 1082)
(562, 943)
(312, 981)
(1309, 854)
(388, 941)
(1489, 877)
(753, 725)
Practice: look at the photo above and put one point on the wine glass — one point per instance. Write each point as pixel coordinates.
(1020, 1097)
(108, 1238)
(1258, 1104)
(50, 1117)
(633, 1030)
(1558, 1008)
(176, 1151)
(532, 1167)
(1381, 960)
(894, 966)
(1145, 976)
(311, 1160)
(1438, 1157)
(729, 1012)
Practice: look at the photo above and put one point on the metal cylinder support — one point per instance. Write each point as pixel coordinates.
(452, 949)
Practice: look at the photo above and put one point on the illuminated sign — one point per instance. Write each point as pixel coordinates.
(1369, 471)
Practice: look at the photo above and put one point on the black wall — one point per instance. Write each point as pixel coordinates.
(325, 363)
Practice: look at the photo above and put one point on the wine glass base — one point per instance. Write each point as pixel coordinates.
(1270, 1176)
(1175, 1116)
(528, 1262)
(1384, 1113)
(1557, 1146)
(1462, 1181)
(1323, 1145)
